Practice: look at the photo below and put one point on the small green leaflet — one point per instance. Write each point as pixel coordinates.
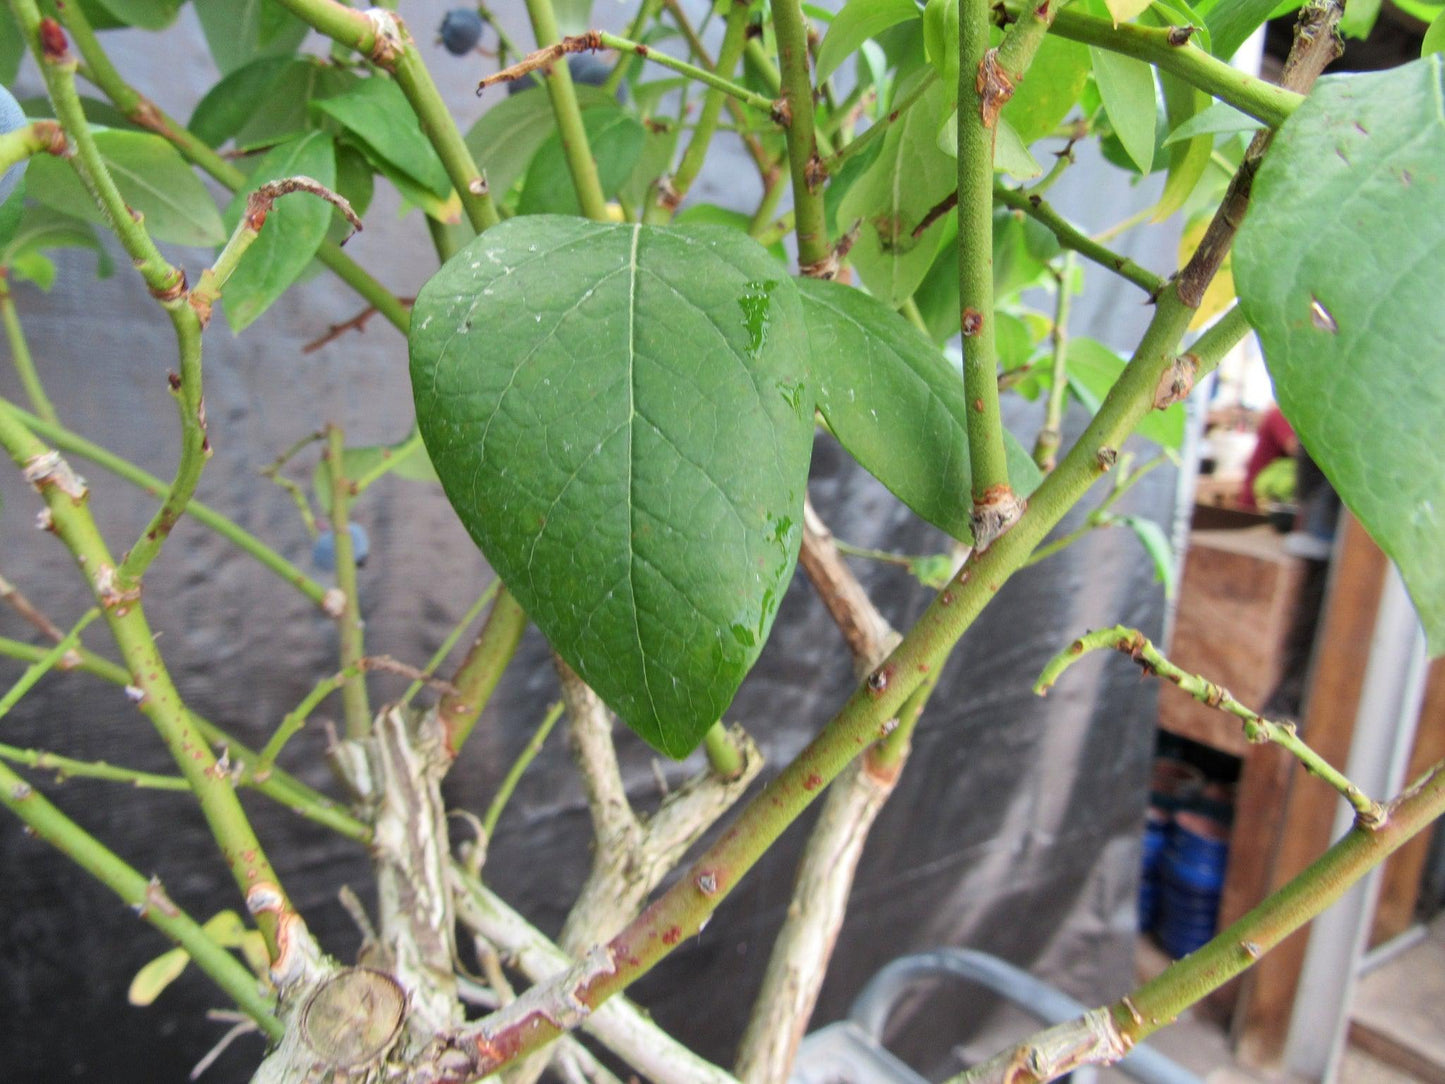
(1127, 88)
(621, 416)
(376, 112)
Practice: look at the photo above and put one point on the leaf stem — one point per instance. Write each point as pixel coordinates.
(147, 897)
(723, 756)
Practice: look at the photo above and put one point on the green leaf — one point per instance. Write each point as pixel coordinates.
(1425, 10)
(1093, 368)
(893, 401)
(909, 178)
(508, 135)
(858, 21)
(1339, 265)
(294, 228)
(1156, 545)
(710, 214)
(940, 41)
(40, 229)
(621, 416)
(1434, 40)
(377, 113)
(411, 464)
(1049, 89)
(1010, 154)
(615, 139)
(239, 31)
(355, 183)
(1359, 18)
(12, 45)
(266, 101)
(153, 179)
(1127, 88)
(1219, 118)
(225, 928)
(1188, 159)
(573, 16)
(1231, 22)
(658, 147)
(146, 14)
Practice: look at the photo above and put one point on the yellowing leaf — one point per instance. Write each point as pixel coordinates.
(1122, 11)
(155, 976)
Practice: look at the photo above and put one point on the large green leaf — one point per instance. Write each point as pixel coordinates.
(856, 23)
(897, 406)
(615, 139)
(909, 178)
(1339, 267)
(153, 179)
(377, 113)
(35, 230)
(622, 418)
(294, 228)
(506, 136)
(1127, 88)
(238, 31)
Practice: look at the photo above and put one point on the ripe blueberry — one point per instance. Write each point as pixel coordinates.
(323, 550)
(461, 29)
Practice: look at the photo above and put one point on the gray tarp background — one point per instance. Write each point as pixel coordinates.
(1014, 829)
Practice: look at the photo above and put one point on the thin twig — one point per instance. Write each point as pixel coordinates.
(1369, 813)
(355, 323)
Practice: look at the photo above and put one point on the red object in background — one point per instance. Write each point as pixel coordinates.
(1275, 439)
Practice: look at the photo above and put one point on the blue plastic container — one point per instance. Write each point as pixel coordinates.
(1191, 879)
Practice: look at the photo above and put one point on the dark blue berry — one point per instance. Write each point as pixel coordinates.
(323, 550)
(587, 68)
(461, 30)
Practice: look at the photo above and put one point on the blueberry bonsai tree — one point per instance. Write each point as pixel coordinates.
(618, 388)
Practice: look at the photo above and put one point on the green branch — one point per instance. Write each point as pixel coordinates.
(1104, 1035)
(816, 257)
(514, 773)
(20, 353)
(672, 192)
(280, 787)
(228, 529)
(480, 671)
(1257, 729)
(52, 658)
(445, 648)
(145, 896)
(880, 127)
(1170, 49)
(981, 94)
(348, 621)
(1073, 238)
(68, 768)
(1046, 446)
(382, 38)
